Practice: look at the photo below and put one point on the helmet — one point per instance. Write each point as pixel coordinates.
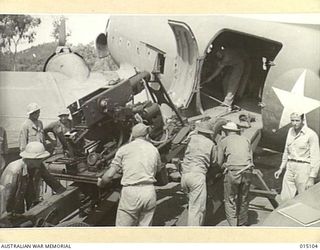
(32, 107)
(34, 150)
(140, 130)
(203, 127)
(231, 126)
(63, 112)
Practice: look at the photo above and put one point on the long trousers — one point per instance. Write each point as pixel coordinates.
(194, 184)
(294, 179)
(236, 197)
(137, 205)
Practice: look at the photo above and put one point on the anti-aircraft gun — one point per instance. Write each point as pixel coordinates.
(102, 122)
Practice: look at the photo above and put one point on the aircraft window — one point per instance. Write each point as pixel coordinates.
(138, 50)
(128, 44)
(159, 64)
(120, 40)
(264, 63)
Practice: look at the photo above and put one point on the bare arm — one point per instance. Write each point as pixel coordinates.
(107, 176)
(51, 180)
(115, 167)
(215, 73)
(49, 128)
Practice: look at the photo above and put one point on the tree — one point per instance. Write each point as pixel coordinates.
(15, 29)
(58, 27)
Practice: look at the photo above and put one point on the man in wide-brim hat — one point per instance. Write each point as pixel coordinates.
(199, 156)
(235, 155)
(32, 128)
(18, 179)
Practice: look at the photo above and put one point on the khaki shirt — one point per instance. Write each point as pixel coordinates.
(58, 127)
(139, 162)
(15, 181)
(303, 147)
(30, 131)
(20, 185)
(235, 150)
(199, 155)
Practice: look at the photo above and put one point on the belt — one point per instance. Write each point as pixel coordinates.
(298, 161)
(138, 185)
(248, 167)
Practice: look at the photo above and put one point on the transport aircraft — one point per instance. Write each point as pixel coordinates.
(279, 64)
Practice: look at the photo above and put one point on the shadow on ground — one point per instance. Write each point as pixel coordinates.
(171, 202)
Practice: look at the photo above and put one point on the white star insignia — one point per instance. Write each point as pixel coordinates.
(295, 101)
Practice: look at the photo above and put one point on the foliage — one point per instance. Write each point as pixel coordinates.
(34, 58)
(15, 29)
(56, 28)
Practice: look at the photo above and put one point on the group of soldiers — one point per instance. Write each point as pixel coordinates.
(234, 155)
(138, 162)
(20, 181)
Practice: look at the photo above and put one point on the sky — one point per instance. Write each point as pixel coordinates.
(84, 28)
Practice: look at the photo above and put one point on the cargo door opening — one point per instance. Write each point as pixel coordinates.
(238, 60)
(185, 64)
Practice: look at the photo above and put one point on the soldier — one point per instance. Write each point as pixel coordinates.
(236, 62)
(3, 148)
(139, 161)
(235, 155)
(200, 155)
(32, 128)
(59, 128)
(18, 178)
(301, 158)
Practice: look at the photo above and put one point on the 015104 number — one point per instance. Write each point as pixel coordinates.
(309, 246)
